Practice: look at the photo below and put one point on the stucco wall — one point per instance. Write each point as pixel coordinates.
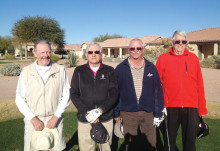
(193, 49)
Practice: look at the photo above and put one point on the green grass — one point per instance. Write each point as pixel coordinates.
(208, 143)
(4, 62)
(12, 133)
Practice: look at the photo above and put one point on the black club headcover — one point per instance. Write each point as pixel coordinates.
(99, 133)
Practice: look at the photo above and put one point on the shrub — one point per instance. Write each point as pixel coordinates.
(151, 57)
(107, 59)
(212, 62)
(153, 53)
(54, 58)
(72, 60)
(11, 70)
(119, 60)
(126, 56)
(8, 56)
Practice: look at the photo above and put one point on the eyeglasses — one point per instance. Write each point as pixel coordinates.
(96, 52)
(178, 42)
(138, 48)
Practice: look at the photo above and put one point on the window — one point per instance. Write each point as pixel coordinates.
(218, 48)
(123, 51)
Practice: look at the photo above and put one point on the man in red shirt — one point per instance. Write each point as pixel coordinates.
(183, 88)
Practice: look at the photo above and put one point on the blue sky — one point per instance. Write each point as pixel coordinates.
(83, 20)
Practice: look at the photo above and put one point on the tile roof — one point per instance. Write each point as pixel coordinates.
(204, 35)
(86, 42)
(72, 47)
(124, 42)
(159, 41)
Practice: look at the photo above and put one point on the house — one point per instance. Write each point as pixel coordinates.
(118, 47)
(203, 43)
(30, 48)
(74, 48)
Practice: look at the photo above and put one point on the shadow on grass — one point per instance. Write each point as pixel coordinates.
(72, 142)
(12, 135)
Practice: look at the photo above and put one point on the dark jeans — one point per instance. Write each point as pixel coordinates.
(188, 118)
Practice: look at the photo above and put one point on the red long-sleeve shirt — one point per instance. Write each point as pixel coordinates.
(182, 81)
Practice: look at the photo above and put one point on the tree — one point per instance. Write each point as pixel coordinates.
(32, 29)
(61, 52)
(5, 44)
(102, 38)
(16, 43)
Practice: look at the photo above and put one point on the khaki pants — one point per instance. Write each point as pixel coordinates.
(28, 130)
(85, 141)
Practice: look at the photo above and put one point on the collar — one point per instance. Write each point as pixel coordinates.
(146, 62)
(100, 67)
(42, 68)
(186, 52)
(133, 67)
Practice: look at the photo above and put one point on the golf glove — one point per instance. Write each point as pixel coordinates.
(92, 115)
(164, 111)
(157, 121)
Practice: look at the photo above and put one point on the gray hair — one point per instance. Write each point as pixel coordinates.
(178, 32)
(42, 42)
(93, 43)
(136, 39)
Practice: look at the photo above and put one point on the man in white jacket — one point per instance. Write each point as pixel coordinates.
(42, 95)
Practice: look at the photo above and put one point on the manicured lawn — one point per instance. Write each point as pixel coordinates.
(12, 131)
(4, 62)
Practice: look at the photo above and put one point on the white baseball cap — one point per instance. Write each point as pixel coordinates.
(118, 129)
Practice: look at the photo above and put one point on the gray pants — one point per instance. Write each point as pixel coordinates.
(143, 120)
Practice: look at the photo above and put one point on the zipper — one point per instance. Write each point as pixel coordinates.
(79, 83)
(181, 81)
(94, 80)
(44, 103)
(167, 97)
(44, 96)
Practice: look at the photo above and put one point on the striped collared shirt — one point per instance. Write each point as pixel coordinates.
(137, 74)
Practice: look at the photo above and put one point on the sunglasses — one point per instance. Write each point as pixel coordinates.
(178, 42)
(96, 52)
(138, 48)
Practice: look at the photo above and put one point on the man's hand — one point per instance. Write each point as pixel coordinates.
(37, 123)
(157, 121)
(92, 115)
(52, 123)
(96, 121)
(117, 119)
